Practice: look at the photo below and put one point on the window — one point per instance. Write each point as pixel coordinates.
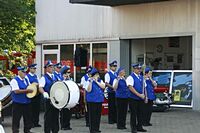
(66, 56)
(49, 47)
(99, 60)
(80, 71)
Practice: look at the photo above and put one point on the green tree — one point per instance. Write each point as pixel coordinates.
(17, 25)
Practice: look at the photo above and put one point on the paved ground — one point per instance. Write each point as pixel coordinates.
(172, 121)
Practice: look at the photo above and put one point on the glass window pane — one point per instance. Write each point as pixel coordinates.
(48, 47)
(182, 88)
(66, 56)
(80, 71)
(99, 60)
(163, 83)
(52, 57)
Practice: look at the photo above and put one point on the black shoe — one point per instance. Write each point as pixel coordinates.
(141, 130)
(66, 128)
(134, 131)
(37, 125)
(98, 131)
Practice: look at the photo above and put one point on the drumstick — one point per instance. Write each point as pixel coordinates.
(56, 102)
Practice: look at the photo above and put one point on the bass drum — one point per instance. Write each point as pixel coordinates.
(64, 94)
(5, 96)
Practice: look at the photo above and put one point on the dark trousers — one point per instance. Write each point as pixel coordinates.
(112, 112)
(87, 114)
(136, 108)
(35, 109)
(148, 108)
(51, 116)
(122, 107)
(19, 110)
(94, 116)
(65, 117)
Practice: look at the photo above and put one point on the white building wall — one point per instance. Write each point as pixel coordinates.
(170, 17)
(60, 20)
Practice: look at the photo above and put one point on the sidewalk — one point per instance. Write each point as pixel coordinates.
(176, 120)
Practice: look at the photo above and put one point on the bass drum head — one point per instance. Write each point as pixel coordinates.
(1, 129)
(59, 94)
(5, 91)
(74, 93)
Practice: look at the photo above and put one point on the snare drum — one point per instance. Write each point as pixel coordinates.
(5, 95)
(64, 94)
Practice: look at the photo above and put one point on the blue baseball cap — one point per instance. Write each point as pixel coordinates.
(119, 70)
(49, 63)
(147, 69)
(136, 65)
(114, 63)
(32, 66)
(94, 71)
(89, 69)
(64, 69)
(21, 68)
(58, 65)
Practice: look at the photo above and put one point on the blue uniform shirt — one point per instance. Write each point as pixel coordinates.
(150, 90)
(122, 89)
(32, 79)
(138, 85)
(48, 82)
(20, 98)
(58, 76)
(96, 95)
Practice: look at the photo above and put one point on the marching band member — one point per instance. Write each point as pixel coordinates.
(65, 113)
(121, 94)
(150, 96)
(84, 79)
(57, 73)
(51, 116)
(95, 88)
(21, 103)
(35, 101)
(109, 78)
(136, 99)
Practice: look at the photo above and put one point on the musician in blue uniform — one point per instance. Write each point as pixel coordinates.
(51, 116)
(65, 113)
(136, 99)
(150, 96)
(121, 94)
(35, 101)
(84, 79)
(109, 78)
(21, 103)
(95, 97)
(57, 73)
